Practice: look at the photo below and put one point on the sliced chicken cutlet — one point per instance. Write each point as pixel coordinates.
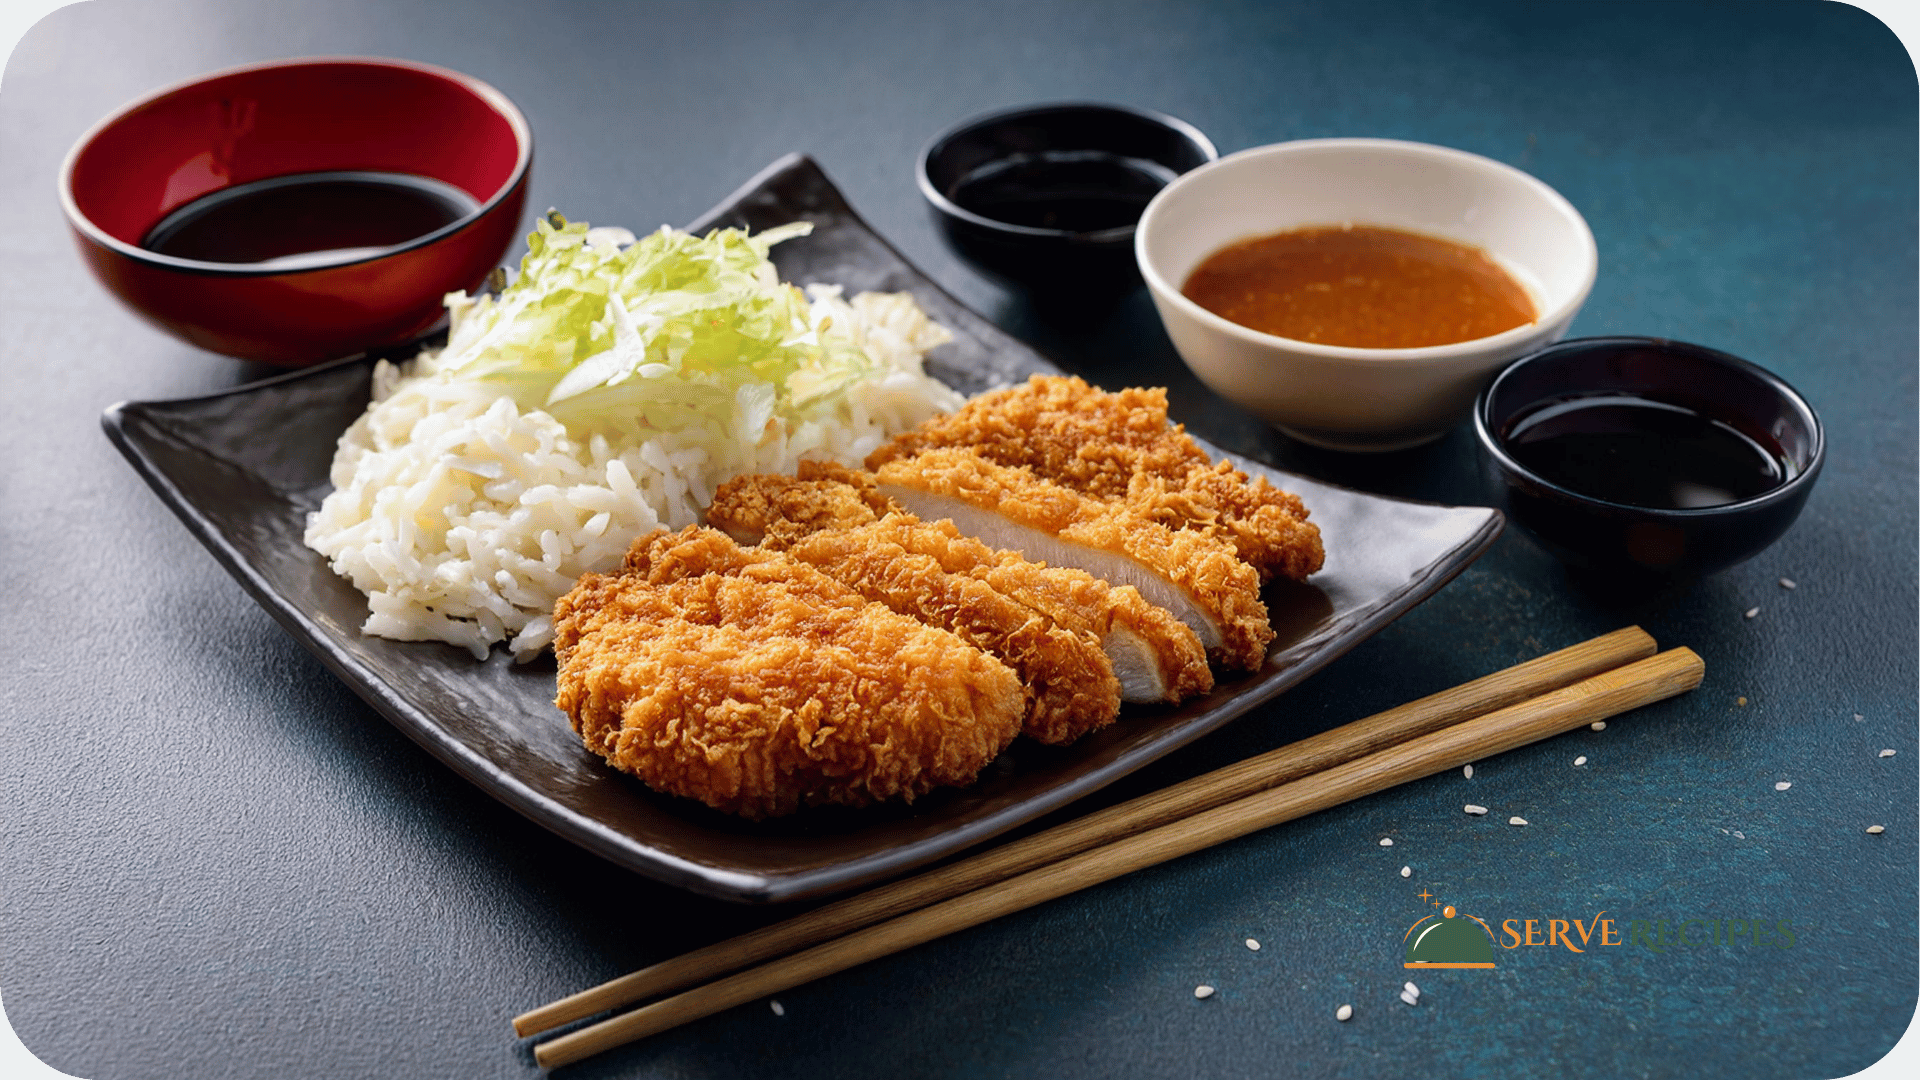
(1120, 447)
(1156, 657)
(769, 687)
(826, 515)
(1197, 576)
(1071, 685)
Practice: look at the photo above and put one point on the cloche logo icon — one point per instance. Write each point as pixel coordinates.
(1449, 940)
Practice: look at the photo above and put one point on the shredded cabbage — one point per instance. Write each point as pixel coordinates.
(663, 334)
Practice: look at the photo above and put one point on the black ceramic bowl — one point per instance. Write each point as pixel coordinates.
(1611, 536)
(1047, 197)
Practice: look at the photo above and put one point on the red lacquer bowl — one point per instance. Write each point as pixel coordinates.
(298, 116)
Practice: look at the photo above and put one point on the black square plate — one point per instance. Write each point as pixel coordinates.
(244, 467)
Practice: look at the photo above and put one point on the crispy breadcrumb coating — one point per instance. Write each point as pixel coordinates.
(823, 496)
(759, 685)
(1071, 686)
(1198, 576)
(1268, 527)
(1155, 655)
(1066, 431)
(1120, 447)
(1072, 598)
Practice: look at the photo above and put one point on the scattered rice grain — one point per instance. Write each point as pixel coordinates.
(1516, 820)
(1472, 809)
(1886, 753)
(1598, 725)
(1876, 829)
(1411, 999)
(1857, 716)
(1203, 991)
(1343, 1014)
(1406, 871)
(1386, 841)
(1467, 772)
(1411, 989)
(1752, 612)
(778, 1009)
(1787, 583)
(1581, 760)
(1783, 785)
(1252, 944)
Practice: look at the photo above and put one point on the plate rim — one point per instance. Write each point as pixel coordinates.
(118, 420)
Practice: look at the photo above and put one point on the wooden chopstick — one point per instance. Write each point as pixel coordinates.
(1344, 743)
(1599, 696)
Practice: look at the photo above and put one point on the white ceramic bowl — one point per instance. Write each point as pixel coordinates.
(1336, 396)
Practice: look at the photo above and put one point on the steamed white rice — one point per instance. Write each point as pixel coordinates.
(463, 517)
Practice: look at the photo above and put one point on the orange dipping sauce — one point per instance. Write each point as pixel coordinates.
(1360, 286)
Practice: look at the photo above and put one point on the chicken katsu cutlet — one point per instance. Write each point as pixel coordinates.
(1196, 575)
(756, 684)
(1120, 447)
(834, 519)
(1070, 682)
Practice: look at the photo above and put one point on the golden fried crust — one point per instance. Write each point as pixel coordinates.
(1267, 527)
(1205, 567)
(1120, 446)
(754, 508)
(1073, 687)
(762, 692)
(859, 479)
(1064, 430)
(661, 556)
(1073, 599)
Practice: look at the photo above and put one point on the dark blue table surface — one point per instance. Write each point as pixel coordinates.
(219, 863)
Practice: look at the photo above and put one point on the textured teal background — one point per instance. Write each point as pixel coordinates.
(220, 864)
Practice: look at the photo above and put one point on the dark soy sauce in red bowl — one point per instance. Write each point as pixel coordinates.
(1628, 449)
(309, 219)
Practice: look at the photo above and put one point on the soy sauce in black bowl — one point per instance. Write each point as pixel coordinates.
(1073, 191)
(1641, 451)
(1648, 459)
(1047, 197)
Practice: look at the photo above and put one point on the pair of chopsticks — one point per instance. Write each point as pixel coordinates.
(1547, 696)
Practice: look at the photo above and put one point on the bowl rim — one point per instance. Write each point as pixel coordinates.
(1790, 489)
(486, 93)
(1119, 232)
(1472, 348)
